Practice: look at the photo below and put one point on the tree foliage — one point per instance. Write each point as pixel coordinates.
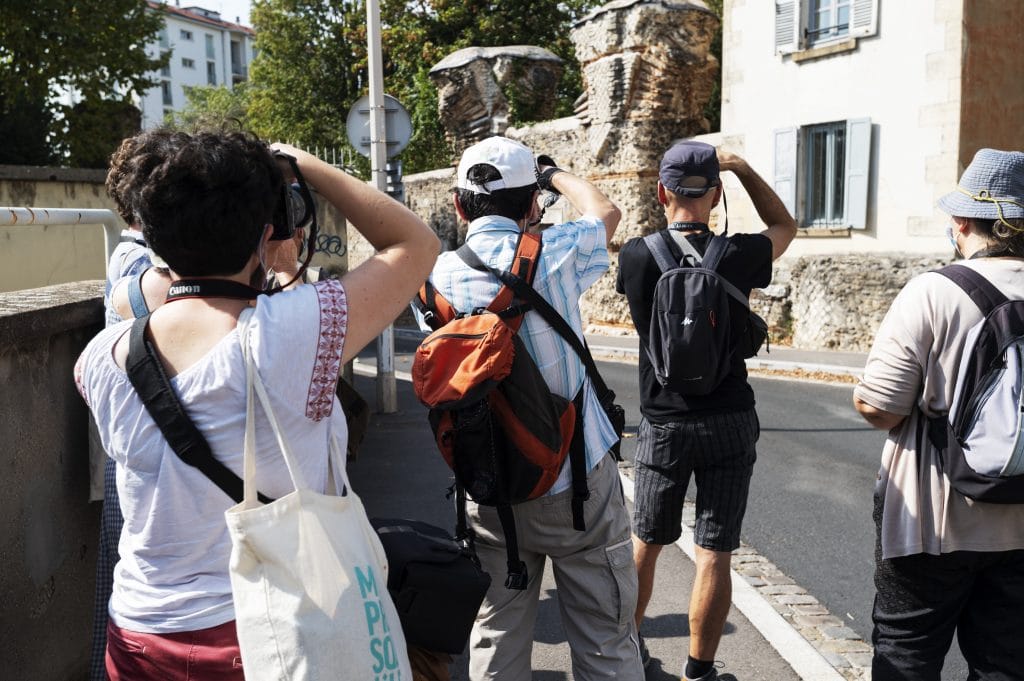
(212, 106)
(311, 62)
(311, 66)
(52, 47)
(420, 34)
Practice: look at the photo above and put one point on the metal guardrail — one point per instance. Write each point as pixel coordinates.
(16, 216)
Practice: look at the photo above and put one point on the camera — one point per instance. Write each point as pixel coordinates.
(295, 205)
(295, 209)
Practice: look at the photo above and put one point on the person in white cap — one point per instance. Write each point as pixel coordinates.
(498, 184)
(946, 563)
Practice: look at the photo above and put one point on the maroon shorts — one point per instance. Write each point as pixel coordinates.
(204, 655)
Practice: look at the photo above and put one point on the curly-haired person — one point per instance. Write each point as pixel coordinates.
(207, 210)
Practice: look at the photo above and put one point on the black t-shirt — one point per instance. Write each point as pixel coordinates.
(747, 264)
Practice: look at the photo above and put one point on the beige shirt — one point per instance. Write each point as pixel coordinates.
(912, 370)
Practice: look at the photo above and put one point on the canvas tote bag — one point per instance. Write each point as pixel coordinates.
(308, 574)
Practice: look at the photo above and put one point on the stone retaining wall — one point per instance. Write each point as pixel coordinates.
(49, 538)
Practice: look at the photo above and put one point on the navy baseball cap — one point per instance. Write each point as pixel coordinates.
(689, 168)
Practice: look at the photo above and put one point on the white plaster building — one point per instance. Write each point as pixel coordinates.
(861, 113)
(205, 50)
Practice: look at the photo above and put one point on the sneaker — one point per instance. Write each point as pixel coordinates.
(645, 655)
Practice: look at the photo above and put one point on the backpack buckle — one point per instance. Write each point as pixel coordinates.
(517, 577)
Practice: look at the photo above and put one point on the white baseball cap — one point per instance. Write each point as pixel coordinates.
(513, 161)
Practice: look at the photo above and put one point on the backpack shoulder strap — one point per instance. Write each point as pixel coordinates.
(659, 249)
(524, 266)
(715, 251)
(147, 376)
(135, 297)
(434, 307)
(986, 296)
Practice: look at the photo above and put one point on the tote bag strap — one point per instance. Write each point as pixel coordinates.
(254, 384)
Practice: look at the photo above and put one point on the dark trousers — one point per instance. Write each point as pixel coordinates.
(921, 600)
(110, 535)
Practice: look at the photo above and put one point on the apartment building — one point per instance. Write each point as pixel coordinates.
(205, 50)
(861, 113)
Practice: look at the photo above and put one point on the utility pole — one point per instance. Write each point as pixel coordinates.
(387, 396)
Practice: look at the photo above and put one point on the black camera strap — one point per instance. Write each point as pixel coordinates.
(150, 381)
(210, 288)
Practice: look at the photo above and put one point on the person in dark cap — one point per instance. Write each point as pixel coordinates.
(709, 436)
(947, 563)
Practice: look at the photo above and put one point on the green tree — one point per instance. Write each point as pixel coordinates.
(420, 34)
(96, 127)
(309, 69)
(95, 51)
(211, 106)
(311, 63)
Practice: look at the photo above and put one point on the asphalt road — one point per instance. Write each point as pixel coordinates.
(810, 502)
(811, 496)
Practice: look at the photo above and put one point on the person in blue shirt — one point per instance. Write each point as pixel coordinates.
(498, 183)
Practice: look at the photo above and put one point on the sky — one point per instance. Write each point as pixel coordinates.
(229, 9)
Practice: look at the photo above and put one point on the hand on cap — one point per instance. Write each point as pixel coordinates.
(546, 169)
(728, 160)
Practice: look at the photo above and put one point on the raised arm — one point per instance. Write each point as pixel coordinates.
(587, 199)
(781, 225)
(379, 288)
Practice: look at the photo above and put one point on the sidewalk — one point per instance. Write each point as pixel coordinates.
(776, 357)
(400, 474)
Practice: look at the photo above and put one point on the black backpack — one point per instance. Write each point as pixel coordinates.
(981, 439)
(690, 338)
(436, 582)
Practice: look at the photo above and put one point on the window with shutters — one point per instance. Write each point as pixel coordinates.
(805, 24)
(821, 173)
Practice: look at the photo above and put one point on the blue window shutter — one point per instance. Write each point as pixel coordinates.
(864, 19)
(785, 166)
(787, 23)
(858, 166)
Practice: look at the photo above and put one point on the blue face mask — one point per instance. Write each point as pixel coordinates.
(952, 239)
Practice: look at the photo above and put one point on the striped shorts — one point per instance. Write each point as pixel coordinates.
(718, 450)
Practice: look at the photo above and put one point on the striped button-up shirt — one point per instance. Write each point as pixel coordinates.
(574, 256)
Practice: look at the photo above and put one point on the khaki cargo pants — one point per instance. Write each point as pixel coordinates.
(594, 574)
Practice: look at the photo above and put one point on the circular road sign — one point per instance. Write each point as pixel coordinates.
(397, 122)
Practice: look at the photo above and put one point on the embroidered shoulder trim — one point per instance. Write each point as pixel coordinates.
(333, 325)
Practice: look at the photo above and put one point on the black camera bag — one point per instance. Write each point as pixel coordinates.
(436, 583)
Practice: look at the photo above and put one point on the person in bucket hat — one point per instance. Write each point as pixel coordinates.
(711, 436)
(944, 564)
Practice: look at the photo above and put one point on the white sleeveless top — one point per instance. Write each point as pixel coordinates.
(173, 571)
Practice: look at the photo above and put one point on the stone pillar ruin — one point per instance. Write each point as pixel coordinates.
(472, 85)
(648, 73)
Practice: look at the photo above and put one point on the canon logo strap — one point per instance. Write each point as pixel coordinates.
(210, 288)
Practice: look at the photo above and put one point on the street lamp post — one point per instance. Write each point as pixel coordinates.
(387, 396)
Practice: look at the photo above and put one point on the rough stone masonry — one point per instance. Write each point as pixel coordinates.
(648, 72)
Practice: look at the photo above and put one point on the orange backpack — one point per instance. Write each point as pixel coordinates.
(499, 427)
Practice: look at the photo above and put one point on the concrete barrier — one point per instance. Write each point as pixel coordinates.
(49, 533)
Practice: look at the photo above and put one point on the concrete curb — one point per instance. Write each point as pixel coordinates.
(808, 663)
(764, 613)
(621, 354)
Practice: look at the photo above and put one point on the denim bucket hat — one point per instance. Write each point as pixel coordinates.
(992, 187)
